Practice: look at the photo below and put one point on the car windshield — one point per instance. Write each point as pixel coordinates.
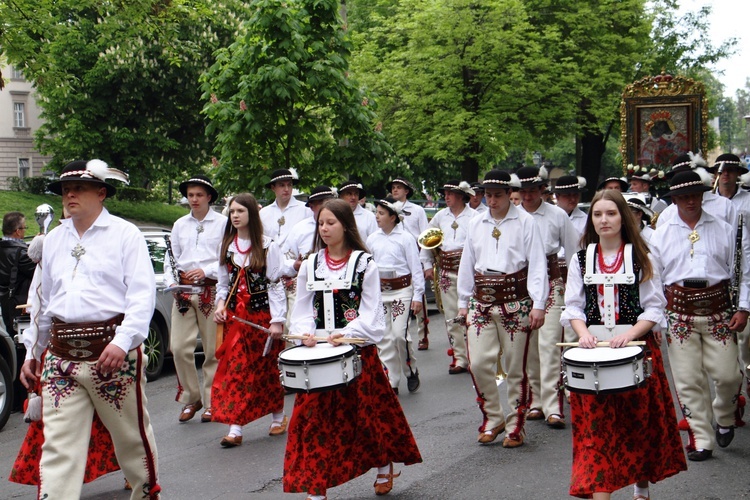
(156, 249)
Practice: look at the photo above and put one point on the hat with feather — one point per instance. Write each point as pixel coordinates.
(283, 174)
(532, 176)
(462, 187)
(93, 171)
(729, 160)
(570, 184)
(393, 207)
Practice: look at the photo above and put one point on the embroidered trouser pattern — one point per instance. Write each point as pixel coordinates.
(544, 356)
(183, 339)
(698, 345)
(396, 349)
(456, 331)
(72, 391)
(492, 328)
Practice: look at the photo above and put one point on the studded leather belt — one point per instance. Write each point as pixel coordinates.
(563, 266)
(203, 282)
(388, 284)
(501, 289)
(553, 267)
(698, 301)
(449, 261)
(82, 341)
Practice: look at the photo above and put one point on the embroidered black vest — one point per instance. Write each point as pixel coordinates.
(629, 298)
(256, 282)
(345, 302)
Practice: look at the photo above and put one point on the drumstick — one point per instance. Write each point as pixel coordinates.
(340, 340)
(23, 306)
(249, 323)
(600, 344)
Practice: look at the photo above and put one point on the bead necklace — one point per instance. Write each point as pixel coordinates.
(237, 245)
(609, 269)
(336, 264)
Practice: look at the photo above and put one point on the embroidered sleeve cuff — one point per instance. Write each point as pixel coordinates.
(571, 313)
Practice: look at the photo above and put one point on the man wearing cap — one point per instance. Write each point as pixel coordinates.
(557, 234)
(694, 254)
(415, 221)
(476, 201)
(97, 298)
(502, 291)
(195, 241)
(352, 191)
(642, 214)
(728, 167)
(642, 184)
(453, 221)
(568, 191)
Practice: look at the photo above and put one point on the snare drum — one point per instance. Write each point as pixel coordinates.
(320, 368)
(604, 370)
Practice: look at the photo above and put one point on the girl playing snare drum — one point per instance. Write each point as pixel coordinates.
(246, 385)
(337, 435)
(629, 437)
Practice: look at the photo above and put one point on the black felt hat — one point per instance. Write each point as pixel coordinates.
(200, 180)
(93, 171)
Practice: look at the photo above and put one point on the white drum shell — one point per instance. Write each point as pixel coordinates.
(604, 370)
(320, 368)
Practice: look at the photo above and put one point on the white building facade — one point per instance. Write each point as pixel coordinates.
(19, 119)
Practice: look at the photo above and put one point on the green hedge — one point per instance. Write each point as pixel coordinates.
(127, 193)
(33, 185)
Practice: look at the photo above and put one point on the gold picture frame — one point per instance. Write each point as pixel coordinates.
(662, 117)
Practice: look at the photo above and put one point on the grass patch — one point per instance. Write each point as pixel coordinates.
(141, 213)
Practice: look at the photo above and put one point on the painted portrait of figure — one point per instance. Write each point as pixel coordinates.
(664, 134)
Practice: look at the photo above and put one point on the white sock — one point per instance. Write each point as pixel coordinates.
(383, 470)
(316, 497)
(640, 491)
(724, 430)
(277, 417)
(235, 430)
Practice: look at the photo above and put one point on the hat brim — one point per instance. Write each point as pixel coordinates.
(270, 184)
(56, 186)
(687, 190)
(458, 191)
(211, 190)
(314, 199)
(742, 170)
(529, 184)
(623, 185)
(570, 190)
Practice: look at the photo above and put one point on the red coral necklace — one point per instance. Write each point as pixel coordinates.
(609, 269)
(336, 264)
(237, 245)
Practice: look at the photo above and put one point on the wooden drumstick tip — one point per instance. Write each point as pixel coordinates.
(601, 344)
(341, 340)
(23, 306)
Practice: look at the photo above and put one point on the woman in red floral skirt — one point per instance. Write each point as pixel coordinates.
(628, 437)
(246, 385)
(337, 435)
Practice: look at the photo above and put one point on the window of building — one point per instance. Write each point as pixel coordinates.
(16, 74)
(19, 115)
(24, 168)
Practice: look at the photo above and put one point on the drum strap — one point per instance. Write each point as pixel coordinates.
(609, 280)
(328, 286)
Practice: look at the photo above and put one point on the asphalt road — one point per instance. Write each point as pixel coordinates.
(444, 419)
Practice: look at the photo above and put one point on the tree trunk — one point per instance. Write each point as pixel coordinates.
(589, 151)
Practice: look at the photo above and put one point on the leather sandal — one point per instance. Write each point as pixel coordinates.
(207, 416)
(231, 441)
(386, 487)
(485, 438)
(188, 411)
(535, 414)
(423, 345)
(278, 428)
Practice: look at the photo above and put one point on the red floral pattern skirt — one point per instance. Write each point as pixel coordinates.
(337, 435)
(620, 439)
(246, 385)
(101, 459)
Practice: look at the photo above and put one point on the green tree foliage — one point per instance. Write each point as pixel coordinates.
(461, 81)
(280, 96)
(118, 80)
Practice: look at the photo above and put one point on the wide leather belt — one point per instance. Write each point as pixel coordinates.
(82, 341)
(203, 282)
(493, 289)
(553, 267)
(449, 261)
(698, 301)
(388, 284)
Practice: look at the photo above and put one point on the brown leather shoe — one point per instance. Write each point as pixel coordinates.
(423, 345)
(453, 370)
(509, 442)
(535, 414)
(386, 487)
(556, 422)
(207, 415)
(278, 428)
(231, 441)
(485, 438)
(188, 411)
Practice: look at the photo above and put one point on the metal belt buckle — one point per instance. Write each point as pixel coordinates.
(78, 343)
(387, 287)
(488, 291)
(702, 303)
(488, 298)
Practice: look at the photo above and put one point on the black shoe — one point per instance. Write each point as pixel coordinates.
(699, 455)
(454, 370)
(412, 381)
(723, 440)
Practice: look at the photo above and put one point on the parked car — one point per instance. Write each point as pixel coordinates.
(8, 370)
